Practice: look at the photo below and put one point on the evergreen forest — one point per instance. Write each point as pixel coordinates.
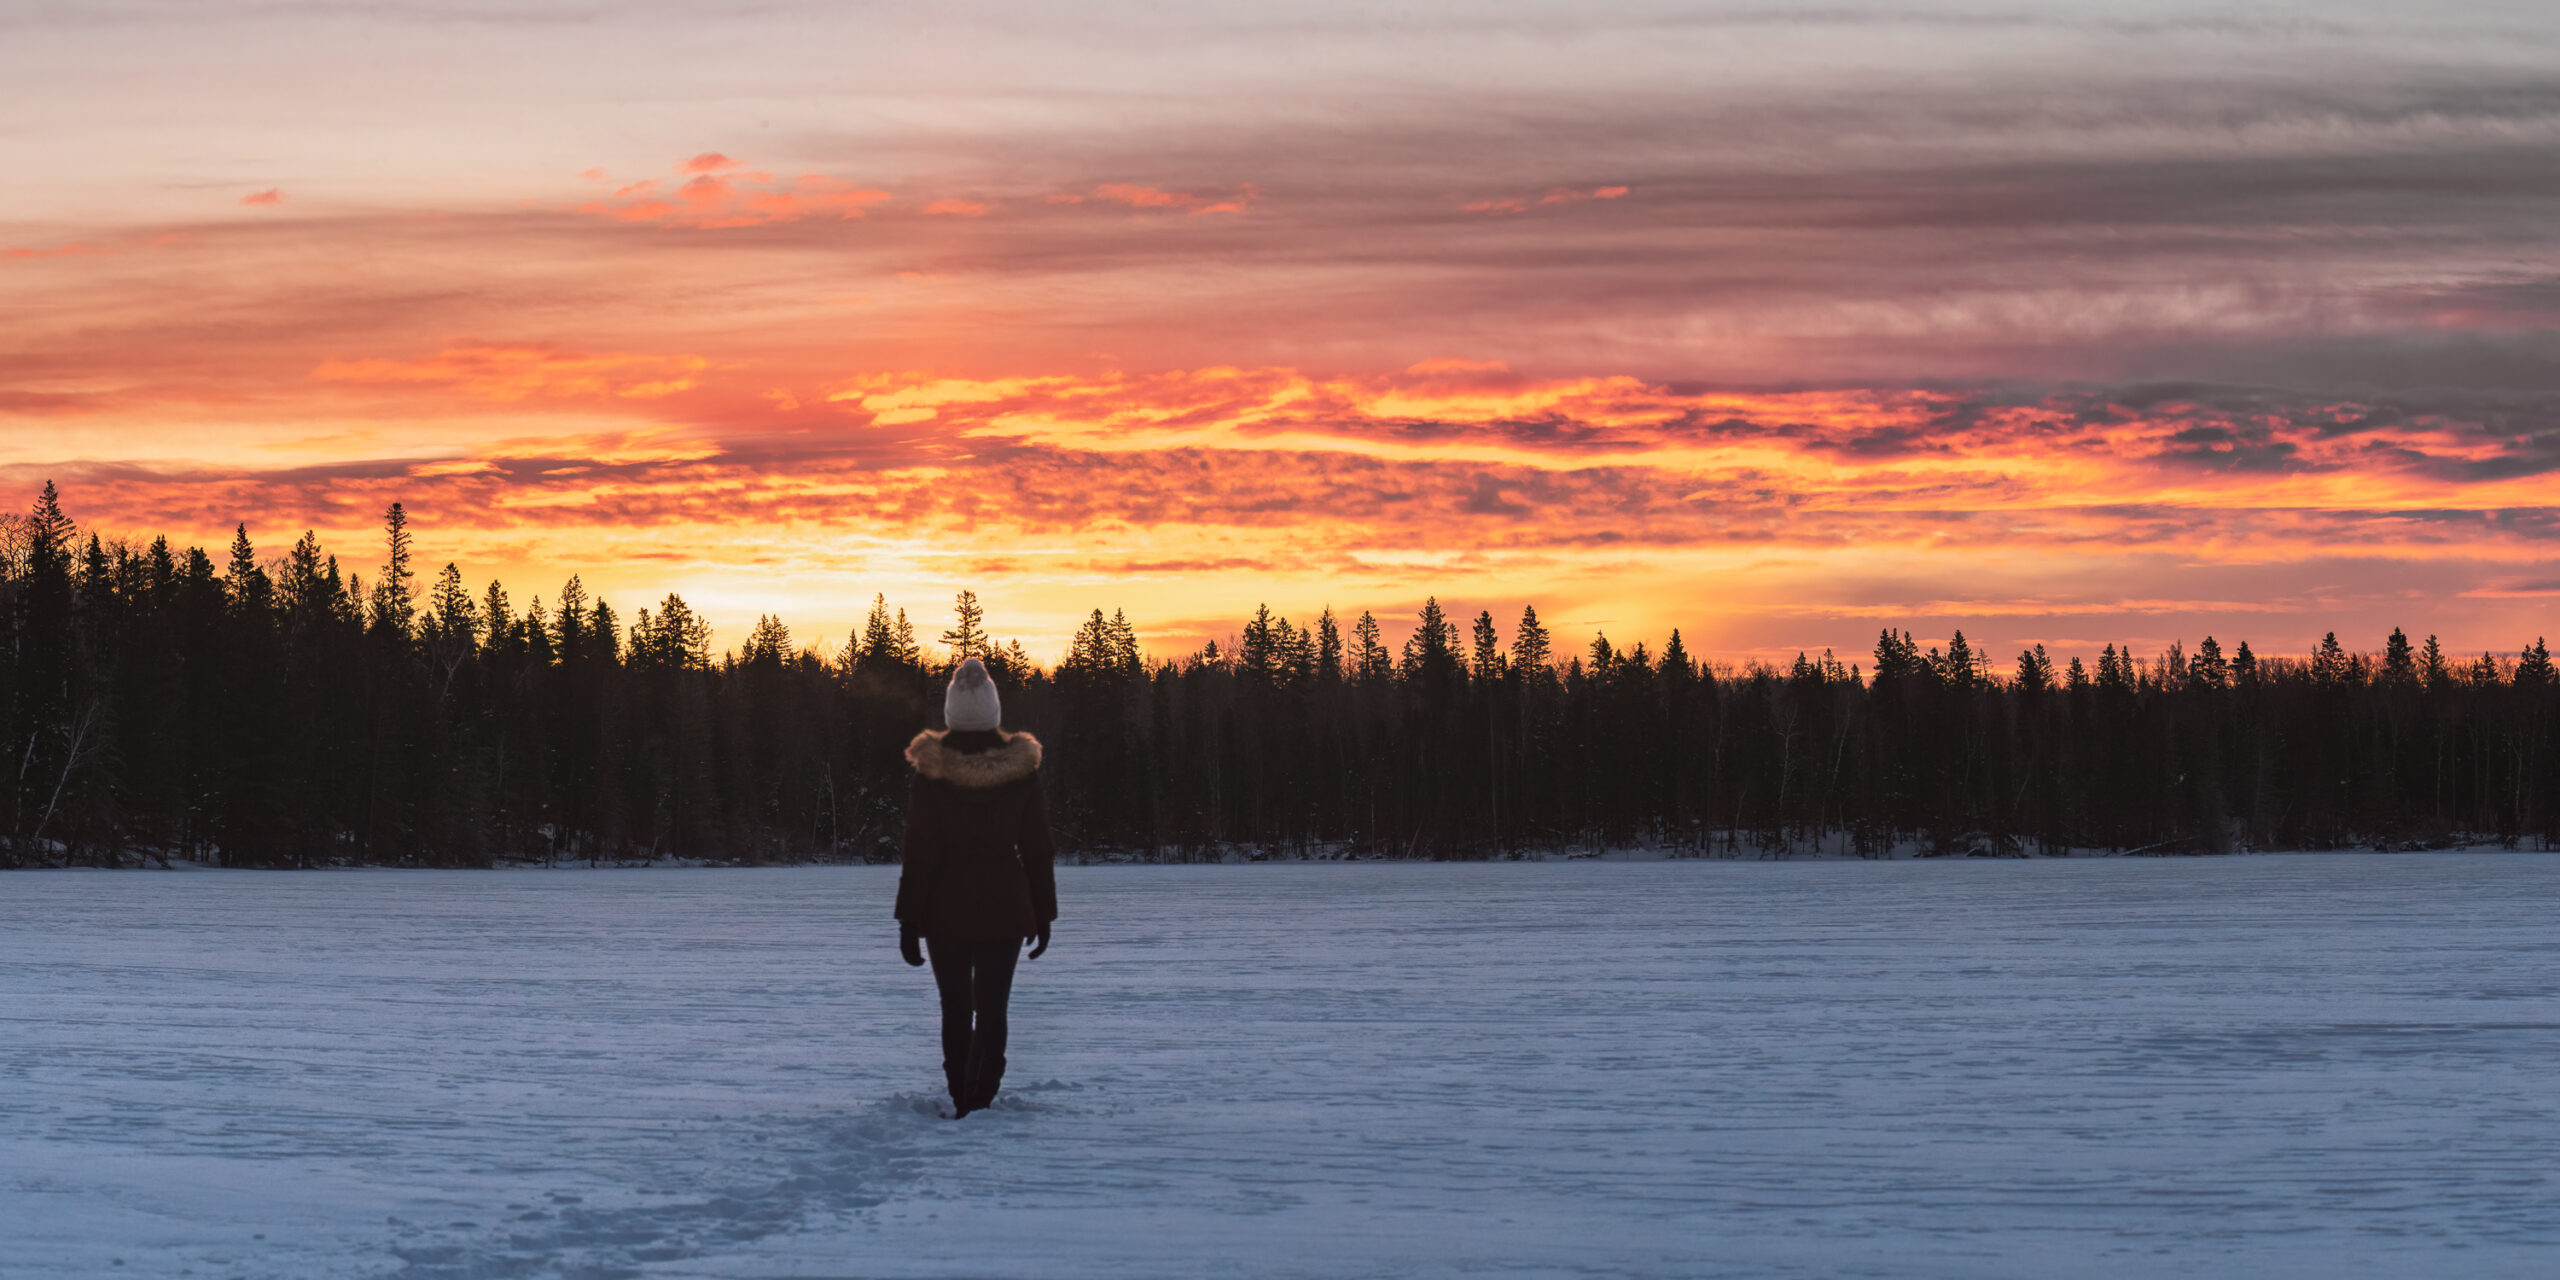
(254, 710)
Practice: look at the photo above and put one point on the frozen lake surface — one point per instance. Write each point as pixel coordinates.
(2333, 1065)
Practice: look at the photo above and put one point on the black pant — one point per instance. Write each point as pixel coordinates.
(976, 979)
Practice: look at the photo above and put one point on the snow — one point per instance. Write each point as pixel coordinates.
(2330, 1065)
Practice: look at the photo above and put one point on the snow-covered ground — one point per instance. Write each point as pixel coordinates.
(2266, 1066)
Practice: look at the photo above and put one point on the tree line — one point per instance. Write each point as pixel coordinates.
(280, 711)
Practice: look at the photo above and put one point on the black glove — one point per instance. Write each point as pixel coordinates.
(1039, 942)
(909, 945)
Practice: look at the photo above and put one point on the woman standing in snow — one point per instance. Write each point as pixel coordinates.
(977, 880)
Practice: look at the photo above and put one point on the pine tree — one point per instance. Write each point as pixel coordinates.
(2244, 667)
(676, 640)
(453, 617)
(345, 602)
(1328, 648)
(1124, 644)
(2399, 662)
(1833, 672)
(250, 592)
(452, 631)
(1297, 647)
(1488, 648)
(967, 637)
(395, 606)
(569, 631)
(2329, 664)
(769, 644)
(1089, 654)
(1532, 651)
(307, 596)
(2209, 670)
(49, 538)
(495, 617)
(1957, 670)
(1897, 660)
(2115, 671)
(1676, 667)
(1257, 657)
(604, 635)
(879, 647)
(2035, 671)
(97, 579)
(1603, 656)
(2533, 671)
(2433, 670)
(537, 634)
(160, 570)
(43, 600)
(903, 649)
(1371, 663)
(1431, 652)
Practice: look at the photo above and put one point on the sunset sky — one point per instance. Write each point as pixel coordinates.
(2059, 323)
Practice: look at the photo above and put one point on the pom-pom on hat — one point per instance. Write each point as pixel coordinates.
(970, 702)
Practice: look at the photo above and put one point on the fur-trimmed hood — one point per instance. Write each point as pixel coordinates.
(1016, 758)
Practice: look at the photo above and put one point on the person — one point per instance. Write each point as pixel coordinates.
(977, 878)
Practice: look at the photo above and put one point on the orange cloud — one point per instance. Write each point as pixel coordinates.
(893, 399)
(718, 196)
(495, 371)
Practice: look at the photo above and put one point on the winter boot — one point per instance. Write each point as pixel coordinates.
(983, 1083)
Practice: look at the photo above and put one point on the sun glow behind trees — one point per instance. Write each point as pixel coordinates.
(284, 712)
(2069, 519)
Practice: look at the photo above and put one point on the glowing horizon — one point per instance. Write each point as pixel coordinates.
(2092, 328)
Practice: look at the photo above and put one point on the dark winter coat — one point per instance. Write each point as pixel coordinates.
(979, 866)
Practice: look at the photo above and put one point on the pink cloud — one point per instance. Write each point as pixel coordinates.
(271, 195)
(1554, 195)
(1139, 196)
(708, 162)
(76, 249)
(955, 207)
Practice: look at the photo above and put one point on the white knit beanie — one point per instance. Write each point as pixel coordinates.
(970, 702)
